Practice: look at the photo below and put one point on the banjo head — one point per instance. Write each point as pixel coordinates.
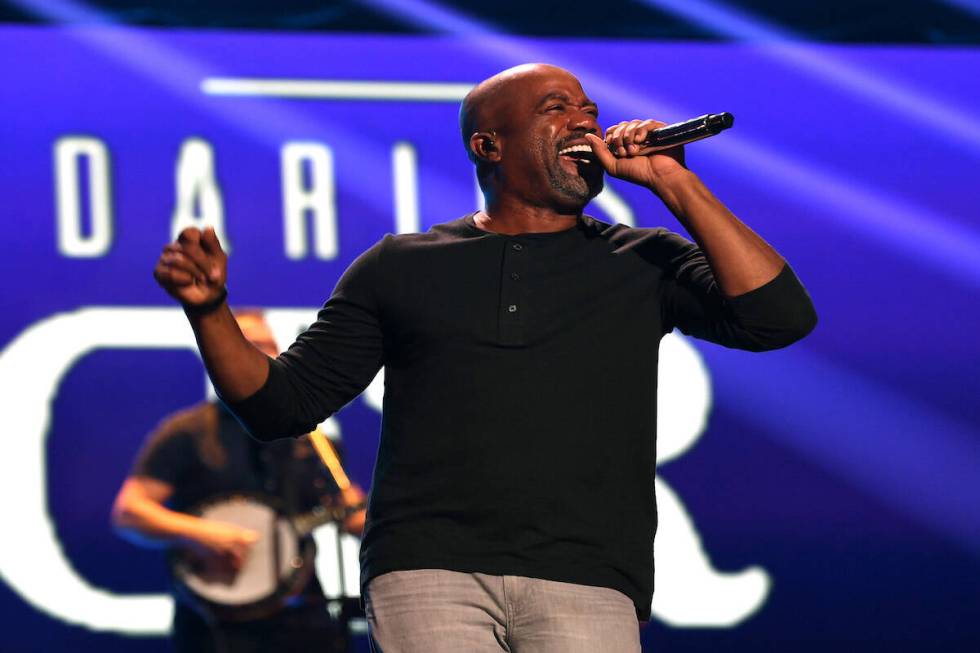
(275, 559)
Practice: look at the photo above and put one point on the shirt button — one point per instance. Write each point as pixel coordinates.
(512, 308)
(517, 247)
(515, 276)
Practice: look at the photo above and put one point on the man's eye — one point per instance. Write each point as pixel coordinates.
(555, 107)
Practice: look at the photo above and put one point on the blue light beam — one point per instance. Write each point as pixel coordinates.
(785, 47)
(886, 443)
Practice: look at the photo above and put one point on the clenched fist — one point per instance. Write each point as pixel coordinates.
(193, 269)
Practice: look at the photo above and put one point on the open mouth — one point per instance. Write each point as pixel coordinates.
(578, 154)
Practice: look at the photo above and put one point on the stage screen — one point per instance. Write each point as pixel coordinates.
(825, 496)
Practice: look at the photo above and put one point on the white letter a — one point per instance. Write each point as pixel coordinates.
(198, 194)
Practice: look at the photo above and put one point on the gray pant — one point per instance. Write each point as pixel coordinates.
(438, 611)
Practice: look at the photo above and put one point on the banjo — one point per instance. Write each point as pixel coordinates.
(279, 564)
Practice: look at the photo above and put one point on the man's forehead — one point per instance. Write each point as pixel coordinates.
(531, 90)
(517, 89)
(544, 80)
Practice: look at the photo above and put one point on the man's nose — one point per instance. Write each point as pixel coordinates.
(582, 120)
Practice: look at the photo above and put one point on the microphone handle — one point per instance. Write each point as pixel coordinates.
(681, 133)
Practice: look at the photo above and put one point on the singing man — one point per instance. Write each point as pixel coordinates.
(512, 507)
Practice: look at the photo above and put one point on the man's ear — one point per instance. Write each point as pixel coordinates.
(484, 146)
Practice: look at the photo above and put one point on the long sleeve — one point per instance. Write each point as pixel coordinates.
(328, 365)
(772, 316)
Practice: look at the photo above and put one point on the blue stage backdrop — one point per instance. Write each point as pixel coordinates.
(824, 497)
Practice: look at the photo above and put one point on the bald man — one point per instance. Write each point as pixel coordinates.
(513, 505)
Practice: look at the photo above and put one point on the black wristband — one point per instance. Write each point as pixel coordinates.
(192, 310)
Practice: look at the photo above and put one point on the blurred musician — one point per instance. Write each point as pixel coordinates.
(201, 453)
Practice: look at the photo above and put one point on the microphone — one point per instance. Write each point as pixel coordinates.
(681, 133)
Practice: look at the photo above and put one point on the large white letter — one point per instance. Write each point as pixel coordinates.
(31, 368)
(70, 153)
(690, 591)
(312, 193)
(199, 201)
(404, 167)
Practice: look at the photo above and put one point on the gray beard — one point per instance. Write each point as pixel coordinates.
(578, 189)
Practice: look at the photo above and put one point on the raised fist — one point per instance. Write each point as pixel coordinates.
(193, 269)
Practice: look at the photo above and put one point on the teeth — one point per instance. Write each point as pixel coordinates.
(576, 148)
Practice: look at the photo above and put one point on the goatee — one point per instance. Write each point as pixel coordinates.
(580, 188)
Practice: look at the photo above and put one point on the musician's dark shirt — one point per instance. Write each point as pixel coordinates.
(204, 453)
(520, 391)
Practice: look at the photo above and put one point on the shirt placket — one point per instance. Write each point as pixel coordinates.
(512, 310)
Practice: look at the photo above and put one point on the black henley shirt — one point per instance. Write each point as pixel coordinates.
(519, 421)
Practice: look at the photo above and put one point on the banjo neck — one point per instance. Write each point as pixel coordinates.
(305, 523)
